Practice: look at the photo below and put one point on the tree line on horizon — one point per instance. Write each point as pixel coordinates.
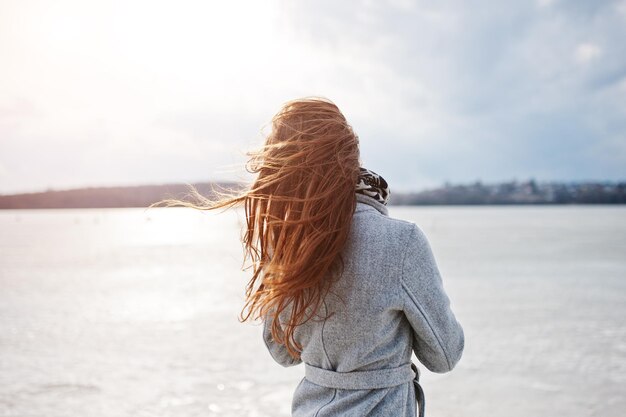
(477, 193)
(515, 192)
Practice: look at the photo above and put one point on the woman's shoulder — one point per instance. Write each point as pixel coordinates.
(376, 229)
(370, 213)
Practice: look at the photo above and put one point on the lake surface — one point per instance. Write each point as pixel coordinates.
(133, 312)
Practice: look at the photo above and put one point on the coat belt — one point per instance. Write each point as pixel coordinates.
(377, 378)
(373, 379)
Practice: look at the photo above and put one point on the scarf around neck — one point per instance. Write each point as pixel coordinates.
(372, 185)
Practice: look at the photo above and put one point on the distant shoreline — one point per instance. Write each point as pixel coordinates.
(476, 194)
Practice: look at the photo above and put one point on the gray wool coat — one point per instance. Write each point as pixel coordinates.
(357, 361)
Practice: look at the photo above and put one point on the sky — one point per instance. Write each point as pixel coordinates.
(102, 93)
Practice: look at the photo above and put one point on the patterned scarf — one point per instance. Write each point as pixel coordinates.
(372, 185)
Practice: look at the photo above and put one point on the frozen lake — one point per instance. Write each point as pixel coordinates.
(128, 312)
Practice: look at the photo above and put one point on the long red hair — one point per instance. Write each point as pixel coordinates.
(298, 213)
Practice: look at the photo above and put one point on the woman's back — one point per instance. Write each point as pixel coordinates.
(312, 205)
(388, 301)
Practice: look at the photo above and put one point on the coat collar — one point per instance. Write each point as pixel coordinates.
(369, 201)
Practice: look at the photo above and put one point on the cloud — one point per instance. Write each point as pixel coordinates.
(437, 91)
(586, 52)
(500, 91)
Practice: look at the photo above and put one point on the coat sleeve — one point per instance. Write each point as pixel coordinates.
(278, 351)
(438, 338)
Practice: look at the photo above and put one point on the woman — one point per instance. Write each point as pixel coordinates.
(341, 286)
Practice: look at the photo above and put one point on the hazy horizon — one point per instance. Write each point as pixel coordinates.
(403, 191)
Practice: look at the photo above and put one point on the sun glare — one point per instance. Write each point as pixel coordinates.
(144, 44)
(194, 40)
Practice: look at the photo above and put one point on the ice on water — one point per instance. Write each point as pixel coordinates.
(133, 312)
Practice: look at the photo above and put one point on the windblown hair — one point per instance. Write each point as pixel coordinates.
(298, 212)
